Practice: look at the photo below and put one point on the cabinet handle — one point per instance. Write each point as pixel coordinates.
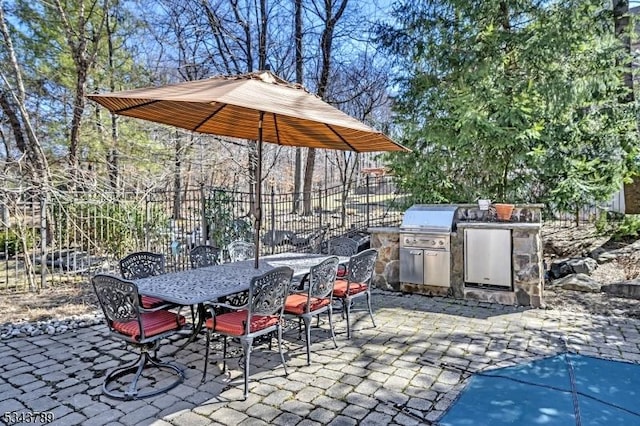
(416, 252)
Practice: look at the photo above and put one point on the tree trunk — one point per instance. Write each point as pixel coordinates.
(326, 41)
(177, 179)
(112, 157)
(78, 38)
(297, 176)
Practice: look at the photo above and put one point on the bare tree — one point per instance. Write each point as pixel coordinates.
(13, 102)
(297, 177)
(329, 12)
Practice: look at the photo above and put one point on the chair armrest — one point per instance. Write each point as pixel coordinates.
(164, 306)
(211, 305)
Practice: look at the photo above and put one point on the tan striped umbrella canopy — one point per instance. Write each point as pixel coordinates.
(232, 106)
(257, 106)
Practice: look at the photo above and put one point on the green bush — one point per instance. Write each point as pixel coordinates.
(628, 229)
(10, 241)
(224, 223)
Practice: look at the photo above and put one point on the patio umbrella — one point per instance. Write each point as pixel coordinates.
(256, 106)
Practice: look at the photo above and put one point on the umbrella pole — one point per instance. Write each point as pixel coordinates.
(256, 238)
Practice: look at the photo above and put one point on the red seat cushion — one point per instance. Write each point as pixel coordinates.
(297, 303)
(234, 323)
(340, 288)
(149, 302)
(152, 322)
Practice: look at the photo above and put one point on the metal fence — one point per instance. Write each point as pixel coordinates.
(61, 238)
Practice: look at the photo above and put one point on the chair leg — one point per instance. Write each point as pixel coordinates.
(224, 354)
(307, 329)
(284, 364)
(370, 310)
(206, 355)
(346, 307)
(333, 334)
(247, 343)
(138, 366)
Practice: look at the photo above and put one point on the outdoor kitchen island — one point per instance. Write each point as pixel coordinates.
(484, 253)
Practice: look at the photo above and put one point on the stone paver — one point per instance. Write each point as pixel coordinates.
(406, 371)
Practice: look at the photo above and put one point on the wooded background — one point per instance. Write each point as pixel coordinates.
(528, 101)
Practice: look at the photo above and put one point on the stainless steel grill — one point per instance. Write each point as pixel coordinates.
(425, 244)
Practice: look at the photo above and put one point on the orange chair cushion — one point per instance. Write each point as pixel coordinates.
(340, 288)
(152, 322)
(234, 323)
(149, 302)
(297, 303)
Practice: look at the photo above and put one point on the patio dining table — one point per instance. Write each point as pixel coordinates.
(200, 285)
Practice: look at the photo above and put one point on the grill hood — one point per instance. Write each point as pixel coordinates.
(429, 218)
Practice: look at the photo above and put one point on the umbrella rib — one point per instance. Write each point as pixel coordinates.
(341, 138)
(209, 117)
(275, 125)
(119, 111)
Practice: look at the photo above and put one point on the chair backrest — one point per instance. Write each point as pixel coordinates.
(118, 299)
(267, 293)
(204, 255)
(141, 264)
(240, 250)
(361, 266)
(322, 278)
(316, 240)
(343, 246)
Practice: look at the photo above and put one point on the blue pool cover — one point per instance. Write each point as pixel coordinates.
(566, 389)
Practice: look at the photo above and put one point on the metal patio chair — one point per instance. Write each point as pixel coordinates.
(260, 316)
(356, 283)
(139, 327)
(240, 250)
(204, 255)
(315, 299)
(342, 246)
(143, 264)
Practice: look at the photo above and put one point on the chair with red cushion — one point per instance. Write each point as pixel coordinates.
(143, 264)
(139, 327)
(357, 283)
(342, 246)
(316, 299)
(261, 315)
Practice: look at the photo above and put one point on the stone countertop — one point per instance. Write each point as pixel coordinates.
(384, 230)
(499, 225)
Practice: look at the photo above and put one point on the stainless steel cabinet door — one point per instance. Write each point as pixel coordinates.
(411, 266)
(437, 265)
(487, 256)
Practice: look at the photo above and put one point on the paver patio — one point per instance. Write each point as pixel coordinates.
(405, 371)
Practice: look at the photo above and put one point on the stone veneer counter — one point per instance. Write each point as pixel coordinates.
(499, 225)
(526, 261)
(526, 265)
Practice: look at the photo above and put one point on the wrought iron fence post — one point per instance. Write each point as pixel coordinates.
(320, 202)
(146, 220)
(273, 220)
(367, 197)
(43, 238)
(204, 239)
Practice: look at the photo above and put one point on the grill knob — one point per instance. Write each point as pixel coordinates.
(433, 243)
(441, 243)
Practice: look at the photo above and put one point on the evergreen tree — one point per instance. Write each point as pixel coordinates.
(512, 101)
